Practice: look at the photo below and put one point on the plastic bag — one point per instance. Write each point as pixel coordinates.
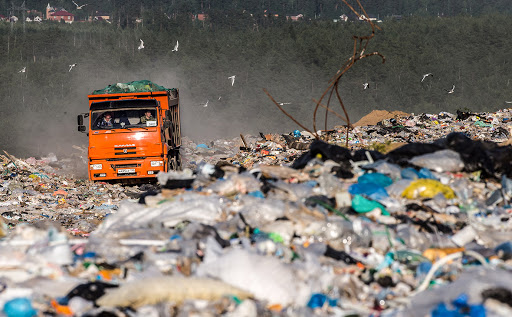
(371, 190)
(440, 161)
(375, 178)
(363, 205)
(427, 188)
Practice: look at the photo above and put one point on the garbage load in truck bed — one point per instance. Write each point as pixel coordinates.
(134, 86)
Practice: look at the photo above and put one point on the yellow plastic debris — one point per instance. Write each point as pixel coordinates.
(427, 188)
(434, 254)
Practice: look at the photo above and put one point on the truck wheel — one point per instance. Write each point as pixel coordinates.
(174, 162)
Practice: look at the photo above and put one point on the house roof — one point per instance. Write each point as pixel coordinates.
(62, 13)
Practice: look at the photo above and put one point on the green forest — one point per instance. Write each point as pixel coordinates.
(293, 61)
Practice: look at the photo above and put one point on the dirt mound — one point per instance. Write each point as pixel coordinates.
(378, 115)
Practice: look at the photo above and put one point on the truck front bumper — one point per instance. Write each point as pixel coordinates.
(115, 170)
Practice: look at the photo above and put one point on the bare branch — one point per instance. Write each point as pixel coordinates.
(358, 53)
(288, 115)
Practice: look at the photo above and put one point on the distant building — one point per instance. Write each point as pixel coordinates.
(49, 11)
(295, 17)
(3, 18)
(62, 15)
(34, 13)
(268, 13)
(28, 19)
(369, 18)
(200, 17)
(38, 19)
(99, 16)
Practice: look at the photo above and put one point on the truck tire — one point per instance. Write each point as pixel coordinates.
(174, 161)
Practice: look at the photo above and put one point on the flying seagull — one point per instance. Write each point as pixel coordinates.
(284, 103)
(71, 66)
(23, 70)
(141, 45)
(77, 6)
(175, 49)
(425, 76)
(206, 104)
(451, 90)
(232, 79)
(508, 101)
(365, 86)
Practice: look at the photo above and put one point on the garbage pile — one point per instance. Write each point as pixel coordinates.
(289, 225)
(34, 190)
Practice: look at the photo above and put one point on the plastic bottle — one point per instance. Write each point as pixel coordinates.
(330, 184)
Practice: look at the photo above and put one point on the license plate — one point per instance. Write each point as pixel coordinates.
(125, 171)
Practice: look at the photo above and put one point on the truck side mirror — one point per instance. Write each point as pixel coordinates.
(80, 120)
(81, 128)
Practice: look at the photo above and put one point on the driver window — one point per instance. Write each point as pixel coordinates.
(147, 117)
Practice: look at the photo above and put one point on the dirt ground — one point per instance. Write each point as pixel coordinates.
(378, 115)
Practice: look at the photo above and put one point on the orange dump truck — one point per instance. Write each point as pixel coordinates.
(134, 131)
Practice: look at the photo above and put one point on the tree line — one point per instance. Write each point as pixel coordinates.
(125, 12)
(293, 61)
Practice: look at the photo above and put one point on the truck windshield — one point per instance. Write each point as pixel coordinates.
(123, 118)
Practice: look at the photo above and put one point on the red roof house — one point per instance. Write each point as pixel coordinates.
(62, 15)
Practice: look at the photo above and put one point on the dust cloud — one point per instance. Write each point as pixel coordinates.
(41, 124)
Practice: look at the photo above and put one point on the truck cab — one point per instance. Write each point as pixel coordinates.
(133, 133)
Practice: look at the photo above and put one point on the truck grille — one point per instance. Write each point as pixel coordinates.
(124, 150)
(126, 158)
(118, 166)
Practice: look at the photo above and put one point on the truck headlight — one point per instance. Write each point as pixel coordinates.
(157, 163)
(96, 166)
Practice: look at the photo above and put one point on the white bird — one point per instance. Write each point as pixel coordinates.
(284, 103)
(175, 49)
(232, 79)
(425, 76)
(508, 101)
(451, 90)
(365, 86)
(77, 6)
(141, 45)
(71, 66)
(206, 104)
(220, 97)
(23, 70)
